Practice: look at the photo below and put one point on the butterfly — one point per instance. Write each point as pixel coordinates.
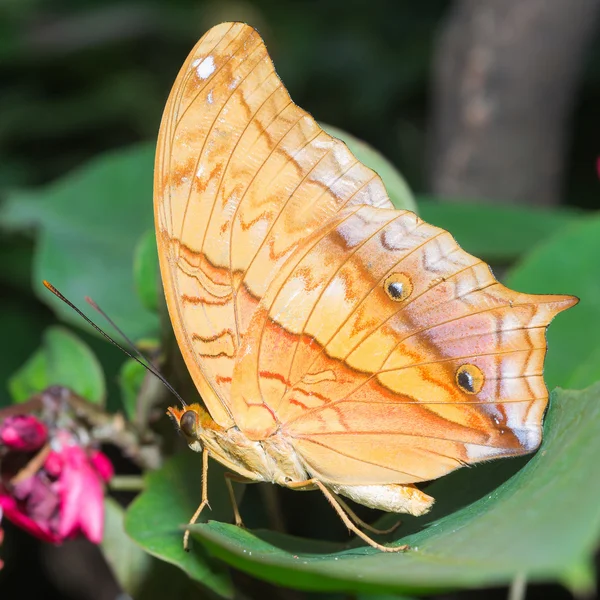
(337, 343)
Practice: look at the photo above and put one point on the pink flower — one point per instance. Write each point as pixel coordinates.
(51, 485)
(1, 537)
(23, 432)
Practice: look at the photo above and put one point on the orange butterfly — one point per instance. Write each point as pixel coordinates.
(337, 343)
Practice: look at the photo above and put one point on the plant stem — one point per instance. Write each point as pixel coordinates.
(126, 483)
(518, 588)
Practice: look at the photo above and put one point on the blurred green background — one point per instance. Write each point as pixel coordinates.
(83, 77)
(80, 77)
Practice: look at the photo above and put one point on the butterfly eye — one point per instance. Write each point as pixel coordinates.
(398, 287)
(470, 379)
(188, 423)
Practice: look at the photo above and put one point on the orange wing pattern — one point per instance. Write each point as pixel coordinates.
(390, 355)
(242, 176)
(304, 305)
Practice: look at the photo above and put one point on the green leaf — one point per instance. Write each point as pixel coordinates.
(382, 597)
(587, 372)
(496, 232)
(142, 576)
(145, 271)
(21, 324)
(568, 264)
(155, 520)
(30, 379)
(16, 256)
(131, 378)
(88, 224)
(128, 562)
(580, 579)
(62, 360)
(490, 522)
(396, 187)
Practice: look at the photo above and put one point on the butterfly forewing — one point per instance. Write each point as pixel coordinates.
(243, 176)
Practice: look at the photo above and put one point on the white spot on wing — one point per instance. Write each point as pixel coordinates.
(475, 452)
(530, 437)
(322, 144)
(528, 434)
(335, 291)
(352, 234)
(342, 155)
(259, 231)
(399, 234)
(209, 98)
(205, 68)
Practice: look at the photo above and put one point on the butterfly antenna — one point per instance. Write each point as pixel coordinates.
(137, 355)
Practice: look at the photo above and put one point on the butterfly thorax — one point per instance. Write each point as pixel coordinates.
(273, 459)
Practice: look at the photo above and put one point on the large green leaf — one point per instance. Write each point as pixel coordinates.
(490, 523)
(65, 360)
(145, 270)
(88, 224)
(155, 520)
(568, 264)
(497, 232)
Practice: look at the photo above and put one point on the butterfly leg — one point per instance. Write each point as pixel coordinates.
(362, 523)
(203, 503)
(229, 477)
(343, 516)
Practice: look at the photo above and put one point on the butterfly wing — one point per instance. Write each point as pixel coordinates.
(387, 354)
(242, 177)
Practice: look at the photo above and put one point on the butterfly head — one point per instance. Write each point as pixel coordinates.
(191, 421)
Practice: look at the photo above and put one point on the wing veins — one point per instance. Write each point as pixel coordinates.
(234, 289)
(281, 210)
(454, 358)
(362, 460)
(259, 170)
(229, 158)
(169, 136)
(175, 282)
(309, 436)
(264, 323)
(199, 158)
(376, 373)
(473, 403)
(210, 79)
(331, 278)
(363, 299)
(206, 137)
(400, 309)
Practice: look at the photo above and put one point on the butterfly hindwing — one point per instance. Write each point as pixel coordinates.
(390, 355)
